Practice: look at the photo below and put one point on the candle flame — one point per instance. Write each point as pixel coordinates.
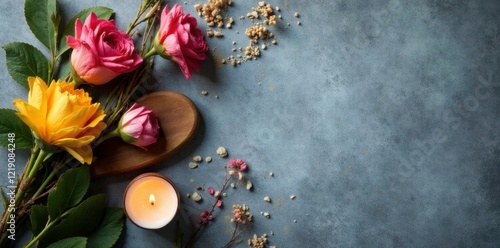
(152, 199)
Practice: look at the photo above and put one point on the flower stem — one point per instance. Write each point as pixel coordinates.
(150, 53)
(41, 157)
(34, 155)
(204, 223)
(47, 228)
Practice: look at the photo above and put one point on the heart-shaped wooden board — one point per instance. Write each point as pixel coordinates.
(178, 120)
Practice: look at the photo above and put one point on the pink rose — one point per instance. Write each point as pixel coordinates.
(101, 51)
(139, 126)
(180, 40)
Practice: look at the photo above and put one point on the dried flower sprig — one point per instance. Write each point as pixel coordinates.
(241, 215)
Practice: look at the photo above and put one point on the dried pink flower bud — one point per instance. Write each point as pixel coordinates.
(238, 164)
(205, 216)
(217, 194)
(210, 190)
(218, 203)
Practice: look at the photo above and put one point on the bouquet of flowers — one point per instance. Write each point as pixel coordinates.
(61, 123)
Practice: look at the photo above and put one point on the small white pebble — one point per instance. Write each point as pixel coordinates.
(208, 159)
(299, 23)
(218, 34)
(296, 14)
(267, 199)
(196, 197)
(221, 151)
(224, 194)
(271, 173)
(192, 165)
(272, 233)
(203, 92)
(292, 196)
(191, 180)
(277, 8)
(249, 185)
(233, 186)
(188, 195)
(267, 215)
(197, 158)
(295, 221)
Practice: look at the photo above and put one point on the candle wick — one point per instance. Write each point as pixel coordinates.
(152, 203)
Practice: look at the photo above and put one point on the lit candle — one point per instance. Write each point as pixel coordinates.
(151, 200)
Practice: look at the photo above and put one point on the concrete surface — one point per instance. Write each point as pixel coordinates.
(382, 117)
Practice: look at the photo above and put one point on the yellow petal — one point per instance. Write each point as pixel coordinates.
(79, 117)
(94, 131)
(32, 117)
(97, 117)
(36, 96)
(82, 154)
(61, 106)
(74, 142)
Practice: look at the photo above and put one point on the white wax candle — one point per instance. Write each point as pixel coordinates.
(151, 201)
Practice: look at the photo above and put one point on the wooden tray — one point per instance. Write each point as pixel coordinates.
(178, 120)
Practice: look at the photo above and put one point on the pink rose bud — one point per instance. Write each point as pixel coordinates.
(179, 40)
(139, 126)
(101, 51)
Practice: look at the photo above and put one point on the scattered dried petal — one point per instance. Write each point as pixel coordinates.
(197, 158)
(210, 190)
(192, 165)
(249, 185)
(222, 152)
(196, 197)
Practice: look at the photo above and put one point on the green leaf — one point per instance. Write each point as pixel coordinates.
(73, 242)
(64, 67)
(25, 60)
(109, 229)
(40, 15)
(82, 220)
(69, 191)
(5, 202)
(39, 217)
(11, 124)
(69, 29)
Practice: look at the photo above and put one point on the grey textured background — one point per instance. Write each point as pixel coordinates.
(381, 116)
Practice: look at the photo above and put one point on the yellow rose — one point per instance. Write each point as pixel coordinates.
(62, 116)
